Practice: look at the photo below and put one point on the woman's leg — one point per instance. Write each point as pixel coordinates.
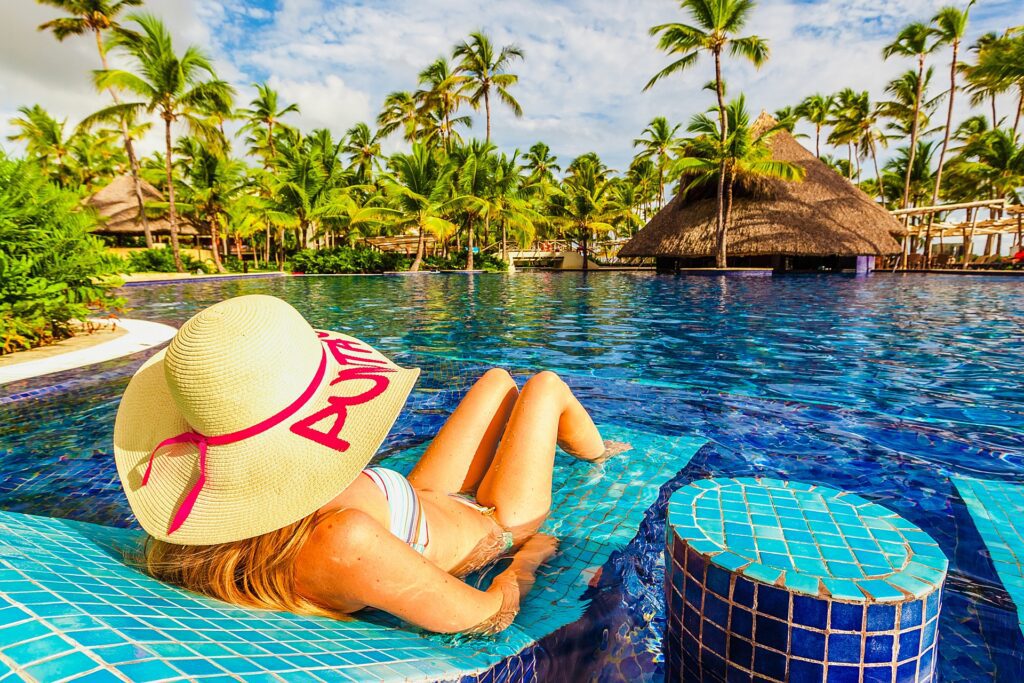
(518, 483)
(462, 451)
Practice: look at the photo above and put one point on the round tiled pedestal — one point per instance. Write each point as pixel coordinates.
(783, 581)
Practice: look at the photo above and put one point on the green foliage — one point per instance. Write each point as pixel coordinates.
(346, 260)
(51, 269)
(162, 261)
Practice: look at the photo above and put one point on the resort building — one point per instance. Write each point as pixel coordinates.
(118, 209)
(824, 222)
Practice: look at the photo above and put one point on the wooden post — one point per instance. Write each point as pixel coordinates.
(1020, 220)
(969, 238)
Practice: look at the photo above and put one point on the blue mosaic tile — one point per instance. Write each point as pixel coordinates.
(853, 630)
(997, 508)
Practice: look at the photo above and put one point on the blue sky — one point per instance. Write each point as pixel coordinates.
(581, 82)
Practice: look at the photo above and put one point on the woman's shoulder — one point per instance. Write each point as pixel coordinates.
(327, 563)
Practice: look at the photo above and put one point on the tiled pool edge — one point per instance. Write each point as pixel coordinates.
(141, 336)
(997, 508)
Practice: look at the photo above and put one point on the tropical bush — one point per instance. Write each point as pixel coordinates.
(51, 269)
(347, 260)
(162, 261)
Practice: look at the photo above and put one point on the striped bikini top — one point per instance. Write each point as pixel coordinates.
(407, 520)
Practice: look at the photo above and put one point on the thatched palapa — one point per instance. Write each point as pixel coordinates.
(119, 210)
(823, 216)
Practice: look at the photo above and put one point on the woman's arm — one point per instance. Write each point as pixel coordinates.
(358, 563)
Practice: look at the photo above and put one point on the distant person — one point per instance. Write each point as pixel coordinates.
(243, 450)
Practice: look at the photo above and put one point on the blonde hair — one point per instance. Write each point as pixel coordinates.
(254, 572)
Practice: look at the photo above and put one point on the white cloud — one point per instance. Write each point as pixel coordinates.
(327, 103)
(580, 85)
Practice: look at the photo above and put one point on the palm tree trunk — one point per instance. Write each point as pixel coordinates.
(172, 214)
(720, 256)
(469, 244)
(238, 247)
(995, 121)
(487, 110)
(1020, 107)
(972, 216)
(215, 244)
(878, 174)
(129, 149)
(942, 156)
(913, 132)
(849, 161)
(419, 253)
(586, 251)
(817, 140)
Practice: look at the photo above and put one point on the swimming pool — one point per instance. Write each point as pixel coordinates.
(906, 389)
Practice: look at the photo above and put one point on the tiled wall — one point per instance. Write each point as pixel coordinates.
(725, 627)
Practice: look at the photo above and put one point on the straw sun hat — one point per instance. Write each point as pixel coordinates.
(250, 420)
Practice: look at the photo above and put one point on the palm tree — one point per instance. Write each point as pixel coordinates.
(485, 69)
(443, 95)
(788, 118)
(98, 17)
(264, 114)
(183, 88)
(363, 148)
(420, 185)
(858, 123)
(508, 207)
(210, 182)
(659, 141)
(400, 111)
(472, 178)
(816, 109)
(715, 24)
(583, 206)
(1000, 68)
(541, 162)
(951, 25)
(746, 155)
(914, 40)
(43, 136)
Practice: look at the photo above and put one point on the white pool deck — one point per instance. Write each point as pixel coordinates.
(141, 335)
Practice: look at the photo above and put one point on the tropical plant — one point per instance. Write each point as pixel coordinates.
(363, 149)
(583, 207)
(43, 136)
(659, 142)
(439, 102)
(400, 110)
(178, 88)
(98, 17)
(541, 162)
(715, 24)
(472, 177)
(858, 123)
(817, 110)
(745, 155)
(263, 121)
(950, 28)
(487, 70)
(420, 186)
(915, 40)
(52, 271)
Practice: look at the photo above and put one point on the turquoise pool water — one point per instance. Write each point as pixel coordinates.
(899, 388)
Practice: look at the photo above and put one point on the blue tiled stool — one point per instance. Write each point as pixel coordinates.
(784, 581)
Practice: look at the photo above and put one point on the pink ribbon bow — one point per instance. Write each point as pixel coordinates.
(203, 442)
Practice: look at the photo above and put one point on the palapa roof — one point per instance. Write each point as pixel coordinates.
(824, 215)
(119, 210)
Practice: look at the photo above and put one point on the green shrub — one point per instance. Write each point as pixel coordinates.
(347, 260)
(51, 269)
(162, 261)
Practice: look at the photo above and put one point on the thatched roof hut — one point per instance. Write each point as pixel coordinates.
(823, 216)
(119, 210)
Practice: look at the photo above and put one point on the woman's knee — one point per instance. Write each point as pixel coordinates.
(498, 377)
(545, 382)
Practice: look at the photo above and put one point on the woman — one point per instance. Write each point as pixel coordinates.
(242, 450)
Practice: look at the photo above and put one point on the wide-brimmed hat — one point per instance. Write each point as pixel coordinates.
(250, 420)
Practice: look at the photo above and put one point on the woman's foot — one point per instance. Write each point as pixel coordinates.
(611, 449)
